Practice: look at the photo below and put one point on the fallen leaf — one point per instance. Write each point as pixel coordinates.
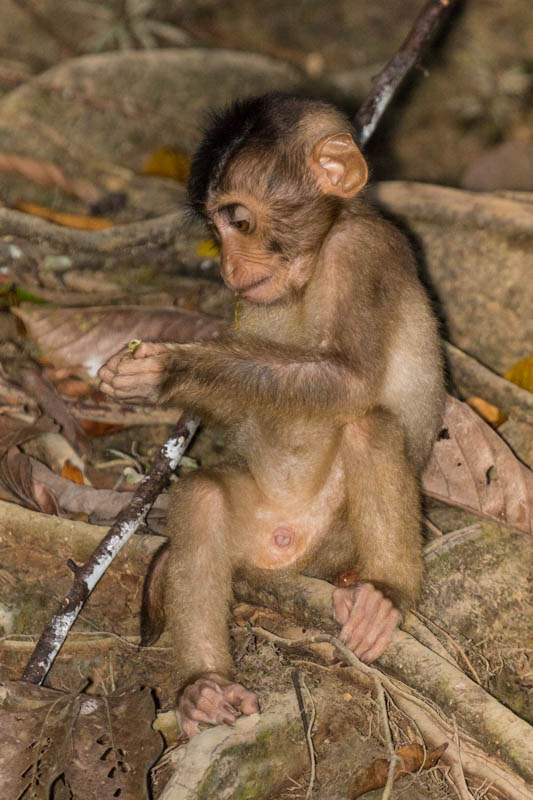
(73, 387)
(471, 466)
(487, 411)
(168, 162)
(522, 374)
(93, 428)
(13, 432)
(413, 758)
(36, 724)
(104, 746)
(100, 505)
(87, 337)
(72, 473)
(79, 221)
(208, 248)
(14, 295)
(36, 383)
(114, 746)
(16, 476)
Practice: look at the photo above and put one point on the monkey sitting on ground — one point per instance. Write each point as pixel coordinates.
(331, 387)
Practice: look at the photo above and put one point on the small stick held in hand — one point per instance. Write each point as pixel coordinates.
(391, 76)
(125, 525)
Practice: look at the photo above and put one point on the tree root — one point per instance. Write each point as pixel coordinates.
(503, 734)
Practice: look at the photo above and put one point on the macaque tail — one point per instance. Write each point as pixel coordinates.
(153, 617)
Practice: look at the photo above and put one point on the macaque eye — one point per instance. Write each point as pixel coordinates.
(241, 218)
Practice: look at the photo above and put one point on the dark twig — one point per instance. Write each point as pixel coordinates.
(125, 525)
(389, 79)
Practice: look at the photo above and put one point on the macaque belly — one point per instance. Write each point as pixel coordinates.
(281, 535)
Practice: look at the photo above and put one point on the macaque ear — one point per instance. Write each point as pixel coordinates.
(339, 165)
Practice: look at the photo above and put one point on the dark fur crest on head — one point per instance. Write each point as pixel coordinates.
(262, 123)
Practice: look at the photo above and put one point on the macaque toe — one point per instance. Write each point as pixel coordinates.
(215, 701)
(371, 621)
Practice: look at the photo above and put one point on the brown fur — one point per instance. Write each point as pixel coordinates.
(332, 389)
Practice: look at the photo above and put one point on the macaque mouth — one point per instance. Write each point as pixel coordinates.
(283, 537)
(246, 291)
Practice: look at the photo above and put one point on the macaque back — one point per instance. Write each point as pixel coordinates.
(331, 386)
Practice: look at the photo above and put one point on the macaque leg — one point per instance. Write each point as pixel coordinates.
(197, 599)
(384, 512)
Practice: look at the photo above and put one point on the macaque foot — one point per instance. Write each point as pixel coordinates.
(215, 700)
(368, 620)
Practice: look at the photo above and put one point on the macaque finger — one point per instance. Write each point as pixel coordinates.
(383, 640)
(366, 621)
(152, 350)
(365, 604)
(343, 600)
(107, 370)
(375, 623)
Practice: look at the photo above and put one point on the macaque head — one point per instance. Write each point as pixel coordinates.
(271, 177)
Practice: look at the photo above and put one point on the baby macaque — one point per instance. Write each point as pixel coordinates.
(331, 386)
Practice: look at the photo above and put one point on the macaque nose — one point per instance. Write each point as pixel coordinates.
(227, 269)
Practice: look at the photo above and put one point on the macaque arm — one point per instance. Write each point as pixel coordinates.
(230, 377)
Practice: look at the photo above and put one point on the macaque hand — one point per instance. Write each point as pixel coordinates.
(215, 700)
(135, 376)
(368, 620)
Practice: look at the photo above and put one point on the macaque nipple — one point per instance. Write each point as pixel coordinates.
(283, 537)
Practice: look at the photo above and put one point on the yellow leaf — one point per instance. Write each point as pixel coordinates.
(522, 374)
(208, 248)
(486, 411)
(168, 163)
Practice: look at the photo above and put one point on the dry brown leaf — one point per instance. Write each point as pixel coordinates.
(93, 428)
(413, 758)
(114, 747)
(73, 387)
(471, 466)
(78, 221)
(16, 476)
(87, 337)
(72, 473)
(100, 505)
(38, 385)
(14, 432)
(35, 738)
(104, 746)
